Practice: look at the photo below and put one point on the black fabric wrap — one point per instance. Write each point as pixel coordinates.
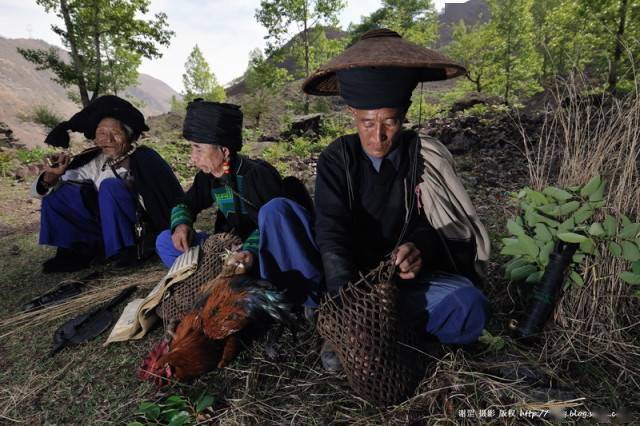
(377, 87)
(87, 120)
(155, 181)
(213, 123)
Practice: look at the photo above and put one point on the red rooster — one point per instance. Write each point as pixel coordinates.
(232, 305)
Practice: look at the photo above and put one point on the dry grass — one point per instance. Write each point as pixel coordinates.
(584, 136)
(100, 291)
(597, 323)
(585, 361)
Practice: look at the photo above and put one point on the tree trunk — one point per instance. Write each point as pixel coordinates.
(96, 46)
(545, 59)
(617, 53)
(305, 39)
(507, 88)
(75, 57)
(475, 81)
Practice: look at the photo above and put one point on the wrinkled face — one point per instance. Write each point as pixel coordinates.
(209, 158)
(378, 128)
(112, 137)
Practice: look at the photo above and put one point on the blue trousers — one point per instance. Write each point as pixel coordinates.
(65, 217)
(444, 305)
(283, 253)
(167, 252)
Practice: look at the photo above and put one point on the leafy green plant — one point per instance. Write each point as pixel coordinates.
(493, 343)
(302, 147)
(35, 155)
(43, 116)
(177, 154)
(336, 126)
(557, 214)
(425, 111)
(252, 135)
(176, 410)
(6, 163)
(276, 154)
(477, 110)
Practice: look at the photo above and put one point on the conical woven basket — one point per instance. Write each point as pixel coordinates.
(182, 296)
(378, 351)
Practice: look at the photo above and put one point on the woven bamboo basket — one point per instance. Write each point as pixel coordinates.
(379, 353)
(182, 296)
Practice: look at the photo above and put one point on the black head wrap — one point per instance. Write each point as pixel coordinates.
(87, 120)
(213, 123)
(377, 87)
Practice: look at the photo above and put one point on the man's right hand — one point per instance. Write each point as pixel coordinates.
(182, 237)
(54, 166)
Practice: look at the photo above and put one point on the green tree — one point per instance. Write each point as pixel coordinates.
(120, 69)
(414, 20)
(572, 42)
(263, 80)
(516, 64)
(106, 41)
(600, 38)
(279, 16)
(321, 50)
(198, 79)
(540, 11)
(471, 46)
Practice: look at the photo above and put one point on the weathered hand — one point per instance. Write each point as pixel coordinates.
(408, 258)
(182, 237)
(56, 164)
(244, 258)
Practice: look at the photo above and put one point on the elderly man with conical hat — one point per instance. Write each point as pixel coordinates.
(112, 198)
(386, 190)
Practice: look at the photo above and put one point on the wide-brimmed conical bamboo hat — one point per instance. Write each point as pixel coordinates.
(382, 48)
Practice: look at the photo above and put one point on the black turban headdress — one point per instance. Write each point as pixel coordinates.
(214, 123)
(377, 87)
(87, 120)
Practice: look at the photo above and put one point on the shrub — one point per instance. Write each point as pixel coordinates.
(43, 116)
(6, 163)
(556, 214)
(177, 154)
(35, 155)
(175, 410)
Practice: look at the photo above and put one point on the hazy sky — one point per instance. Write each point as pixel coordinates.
(225, 30)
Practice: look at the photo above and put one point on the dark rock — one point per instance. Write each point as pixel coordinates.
(304, 125)
(471, 99)
(267, 138)
(460, 143)
(6, 136)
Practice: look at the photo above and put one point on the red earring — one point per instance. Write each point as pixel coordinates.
(226, 167)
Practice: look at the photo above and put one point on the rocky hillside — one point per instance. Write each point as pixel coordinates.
(237, 86)
(471, 12)
(22, 88)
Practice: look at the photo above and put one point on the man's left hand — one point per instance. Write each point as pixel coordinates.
(244, 258)
(408, 259)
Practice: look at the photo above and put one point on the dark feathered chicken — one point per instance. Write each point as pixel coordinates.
(209, 336)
